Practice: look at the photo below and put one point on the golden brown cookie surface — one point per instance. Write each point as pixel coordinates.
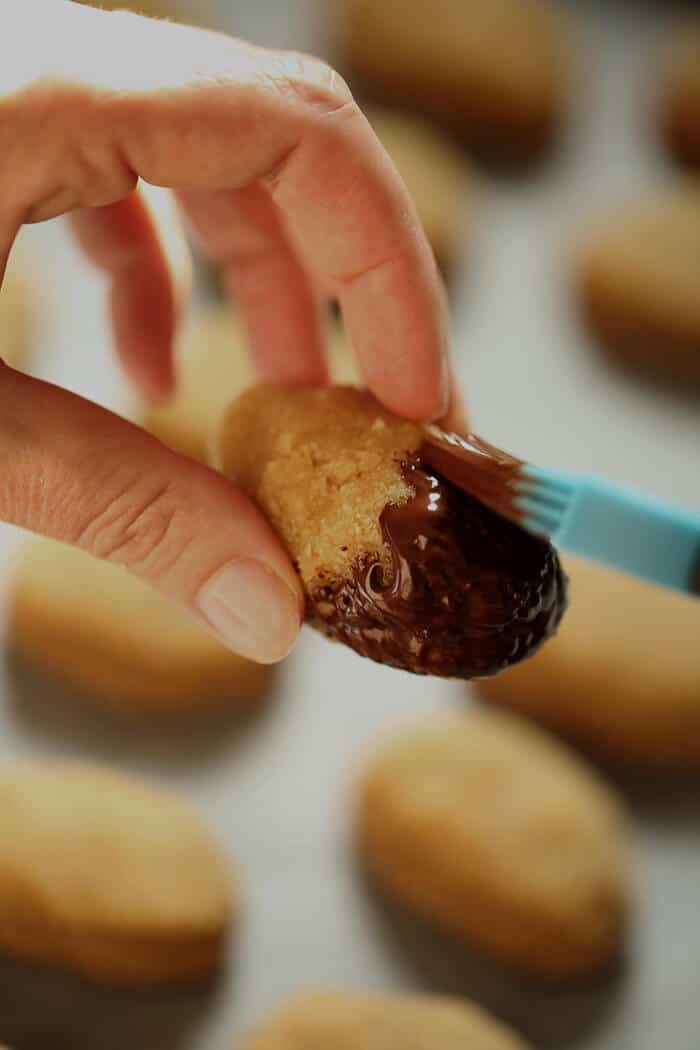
(492, 831)
(497, 75)
(397, 561)
(437, 175)
(639, 271)
(338, 1020)
(108, 876)
(214, 365)
(680, 102)
(623, 676)
(96, 628)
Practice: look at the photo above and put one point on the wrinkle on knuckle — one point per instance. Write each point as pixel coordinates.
(311, 81)
(347, 280)
(327, 118)
(138, 529)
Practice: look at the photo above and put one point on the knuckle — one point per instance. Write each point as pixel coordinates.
(142, 529)
(65, 125)
(313, 81)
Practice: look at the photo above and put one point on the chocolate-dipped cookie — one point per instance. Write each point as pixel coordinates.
(400, 558)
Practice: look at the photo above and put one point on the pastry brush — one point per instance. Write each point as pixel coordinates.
(582, 514)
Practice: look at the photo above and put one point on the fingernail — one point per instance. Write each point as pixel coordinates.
(252, 609)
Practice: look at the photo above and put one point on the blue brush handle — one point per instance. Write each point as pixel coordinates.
(633, 532)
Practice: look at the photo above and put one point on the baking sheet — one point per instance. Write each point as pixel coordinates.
(278, 790)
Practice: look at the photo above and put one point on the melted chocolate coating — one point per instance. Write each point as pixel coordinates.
(467, 592)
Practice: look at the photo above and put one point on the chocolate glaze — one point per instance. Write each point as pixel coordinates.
(466, 593)
(477, 468)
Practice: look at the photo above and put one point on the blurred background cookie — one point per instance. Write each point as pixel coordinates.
(14, 316)
(108, 876)
(496, 74)
(493, 832)
(213, 366)
(622, 677)
(338, 1020)
(161, 8)
(97, 629)
(680, 94)
(403, 567)
(438, 177)
(639, 274)
(342, 363)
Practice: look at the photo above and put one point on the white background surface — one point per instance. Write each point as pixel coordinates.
(278, 791)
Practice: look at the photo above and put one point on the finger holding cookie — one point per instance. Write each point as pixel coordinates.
(309, 171)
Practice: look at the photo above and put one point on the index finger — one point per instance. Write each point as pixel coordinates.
(223, 114)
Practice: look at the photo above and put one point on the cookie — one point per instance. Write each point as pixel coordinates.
(213, 366)
(158, 8)
(490, 830)
(437, 175)
(14, 318)
(398, 558)
(623, 676)
(95, 628)
(340, 1020)
(680, 96)
(496, 74)
(639, 273)
(108, 876)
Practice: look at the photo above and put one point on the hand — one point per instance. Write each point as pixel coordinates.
(287, 189)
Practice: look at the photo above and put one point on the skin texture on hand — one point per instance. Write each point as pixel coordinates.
(287, 189)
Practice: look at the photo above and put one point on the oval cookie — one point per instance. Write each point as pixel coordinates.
(639, 274)
(398, 561)
(680, 96)
(496, 74)
(490, 830)
(340, 1020)
(155, 8)
(437, 175)
(95, 628)
(622, 677)
(108, 876)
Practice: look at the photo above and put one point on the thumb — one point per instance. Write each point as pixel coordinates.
(75, 472)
